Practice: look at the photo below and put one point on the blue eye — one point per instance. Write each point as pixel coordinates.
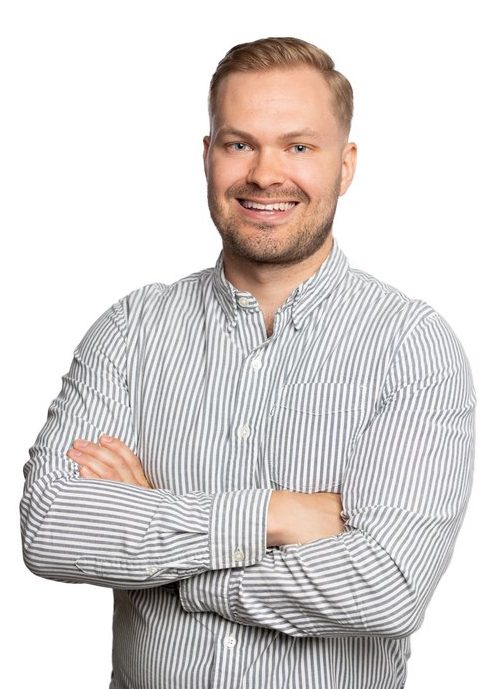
(300, 148)
(238, 146)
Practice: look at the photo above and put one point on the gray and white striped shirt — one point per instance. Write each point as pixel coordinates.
(360, 390)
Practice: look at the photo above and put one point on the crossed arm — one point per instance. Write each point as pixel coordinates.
(291, 518)
(312, 564)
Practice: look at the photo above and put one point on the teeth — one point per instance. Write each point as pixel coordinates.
(268, 206)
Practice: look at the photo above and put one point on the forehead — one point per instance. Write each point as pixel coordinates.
(294, 98)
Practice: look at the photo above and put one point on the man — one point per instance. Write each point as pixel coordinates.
(269, 460)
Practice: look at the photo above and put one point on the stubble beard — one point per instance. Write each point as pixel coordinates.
(302, 241)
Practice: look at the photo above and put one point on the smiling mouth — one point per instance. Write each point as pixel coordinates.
(268, 207)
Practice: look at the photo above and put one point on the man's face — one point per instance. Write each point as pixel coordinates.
(276, 161)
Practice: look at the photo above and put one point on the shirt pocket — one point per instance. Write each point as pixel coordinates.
(311, 434)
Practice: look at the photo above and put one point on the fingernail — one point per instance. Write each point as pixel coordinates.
(106, 438)
(75, 453)
(81, 443)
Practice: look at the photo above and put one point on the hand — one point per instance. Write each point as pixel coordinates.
(111, 459)
(303, 517)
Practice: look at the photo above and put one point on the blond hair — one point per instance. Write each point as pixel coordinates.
(269, 53)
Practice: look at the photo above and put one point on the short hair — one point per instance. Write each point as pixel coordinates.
(270, 53)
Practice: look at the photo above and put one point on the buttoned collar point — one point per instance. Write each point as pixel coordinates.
(302, 301)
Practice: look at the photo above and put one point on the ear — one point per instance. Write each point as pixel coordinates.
(348, 166)
(206, 142)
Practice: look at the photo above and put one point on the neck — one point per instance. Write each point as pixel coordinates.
(271, 284)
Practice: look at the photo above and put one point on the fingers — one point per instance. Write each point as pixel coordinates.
(86, 473)
(100, 461)
(116, 464)
(132, 460)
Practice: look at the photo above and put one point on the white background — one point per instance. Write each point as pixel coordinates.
(103, 112)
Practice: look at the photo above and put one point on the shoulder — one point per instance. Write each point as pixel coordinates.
(377, 290)
(385, 311)
(409, 325)
(155, 297)
(146, 304)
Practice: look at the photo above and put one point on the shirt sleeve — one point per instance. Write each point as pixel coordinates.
(404, 496)
(111, 533)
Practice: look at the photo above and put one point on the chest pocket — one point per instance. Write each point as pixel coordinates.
(311, 433)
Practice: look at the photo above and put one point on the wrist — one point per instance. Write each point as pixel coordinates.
(295, 517)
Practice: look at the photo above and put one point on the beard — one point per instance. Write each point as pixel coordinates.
(298, 240)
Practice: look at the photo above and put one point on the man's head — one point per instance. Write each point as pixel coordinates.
(279, 122)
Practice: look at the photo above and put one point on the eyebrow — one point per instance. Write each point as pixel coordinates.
(287, 136)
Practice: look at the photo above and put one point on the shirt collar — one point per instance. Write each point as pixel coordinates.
(302, 301)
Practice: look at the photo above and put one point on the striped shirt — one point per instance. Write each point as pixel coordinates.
(359, 390)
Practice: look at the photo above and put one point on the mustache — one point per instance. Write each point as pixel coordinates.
(285, 194)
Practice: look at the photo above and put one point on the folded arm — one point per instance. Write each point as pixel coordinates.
(117, 534)
(404, 495)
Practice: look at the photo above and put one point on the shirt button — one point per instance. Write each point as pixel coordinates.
(238, 555)
(244, 431)
(230, 641)
(152, 569)
(256, 364)
(243, 301)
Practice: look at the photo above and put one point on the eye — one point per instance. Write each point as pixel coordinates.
(300, 148)
(238, 146)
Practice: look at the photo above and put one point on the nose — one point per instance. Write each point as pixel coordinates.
(266, 169)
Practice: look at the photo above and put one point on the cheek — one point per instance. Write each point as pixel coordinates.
(313, 179)
(315, 188)
(320, 179)
(326, 190)
(224, 172)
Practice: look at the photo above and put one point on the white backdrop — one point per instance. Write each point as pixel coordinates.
(103, 113)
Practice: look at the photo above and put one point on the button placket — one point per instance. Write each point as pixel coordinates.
(251, 381)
